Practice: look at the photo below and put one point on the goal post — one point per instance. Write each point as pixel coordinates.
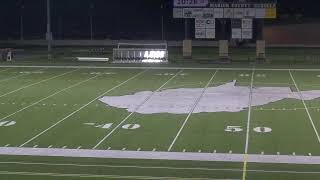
(140, 53)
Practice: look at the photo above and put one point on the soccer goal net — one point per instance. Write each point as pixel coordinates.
(140, 53)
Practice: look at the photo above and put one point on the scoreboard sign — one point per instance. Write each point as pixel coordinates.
(205, 28)
(191, 3)
(231, 9)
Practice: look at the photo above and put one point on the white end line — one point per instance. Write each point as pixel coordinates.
(191, 111)
(24, 87)
(249, 113)
(137, 108)
(305, 106)
(72, 86)
(74, 112)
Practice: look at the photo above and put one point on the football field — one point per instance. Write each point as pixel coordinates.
(221, 123)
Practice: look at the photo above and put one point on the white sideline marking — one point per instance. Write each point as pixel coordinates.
(37, 102)
(99, 176)
(157, 167)
(305, 106)
(159, 68)
(191, 111)
(135, 110)
(249, 113)
(74, 112)
(39, 82)
(148, 155)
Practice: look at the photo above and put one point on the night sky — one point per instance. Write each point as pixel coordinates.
(113, 19)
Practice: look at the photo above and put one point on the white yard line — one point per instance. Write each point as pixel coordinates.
(48, 174)
(305, 106)
(72, 86)
(45, 80)
(135, 110)
(249, 113)
(162, 68)
(191, 111)
(244, 173)
(74, 112)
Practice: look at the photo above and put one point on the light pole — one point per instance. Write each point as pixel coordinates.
(91, 21)
(49, 34)
(162, 23)
(21, 22)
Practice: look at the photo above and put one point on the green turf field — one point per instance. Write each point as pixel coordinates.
(43, 107)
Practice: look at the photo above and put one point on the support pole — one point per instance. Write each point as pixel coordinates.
(187, 42)
(260, 43)
(21, 23)
(49, 33)
(224, 43)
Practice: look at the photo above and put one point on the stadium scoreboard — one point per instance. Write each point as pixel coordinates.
(241, 13)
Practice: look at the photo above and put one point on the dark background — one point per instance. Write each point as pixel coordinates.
(117, 19)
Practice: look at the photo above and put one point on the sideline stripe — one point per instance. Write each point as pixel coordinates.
(164, 68)
(57, 92)
(135, 110)
(305, 106)
(98, 176)
(160, 167)
(45, 80)
(244, 173)
(191, 111)
(74, 112)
